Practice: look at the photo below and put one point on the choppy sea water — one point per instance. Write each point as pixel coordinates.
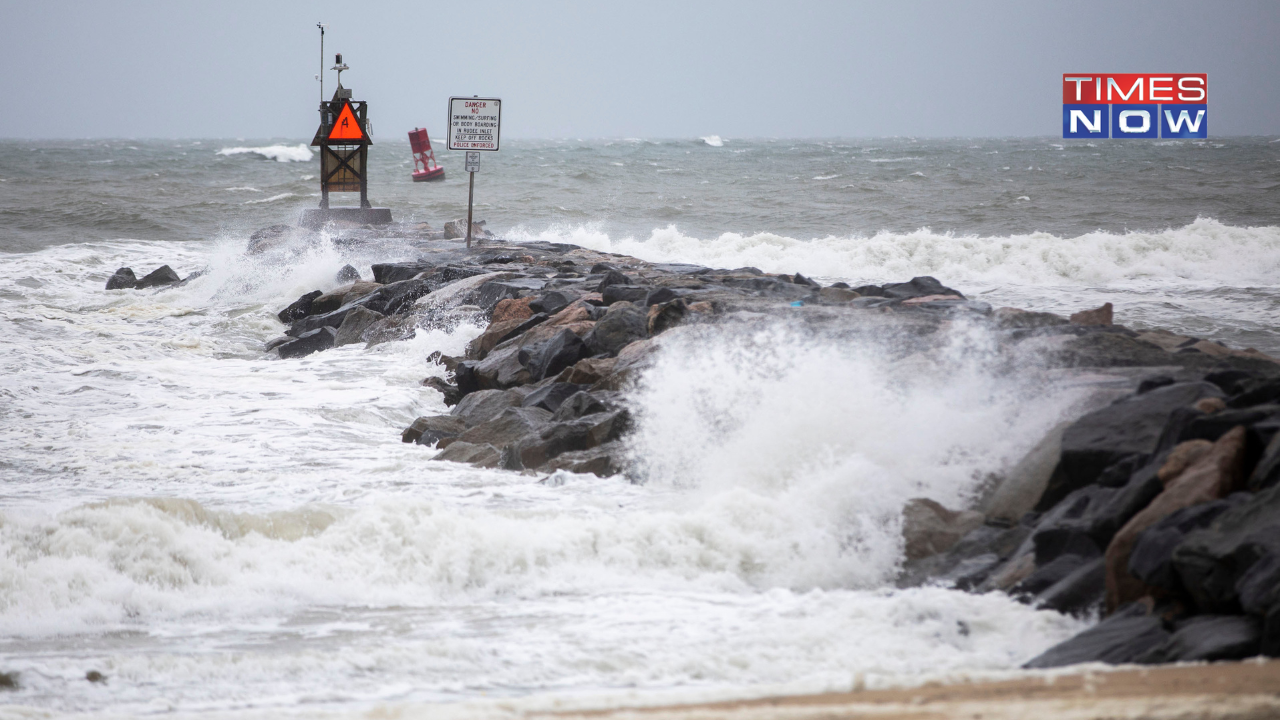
(218, 531)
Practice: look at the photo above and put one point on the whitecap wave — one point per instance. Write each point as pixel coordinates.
(279, 153)
(1205, 251)
(273, 198)
(712, 140)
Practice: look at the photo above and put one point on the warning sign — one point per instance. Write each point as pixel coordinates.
(474, 123)
(346, 127)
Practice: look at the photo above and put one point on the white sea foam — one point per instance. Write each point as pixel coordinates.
(712, 140)
(279, 153)
(273, 198)
(214, 528)
(1205, 251)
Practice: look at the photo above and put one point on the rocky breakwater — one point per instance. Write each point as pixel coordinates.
(1158, 508)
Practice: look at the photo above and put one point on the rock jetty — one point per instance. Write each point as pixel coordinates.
(1157, 510)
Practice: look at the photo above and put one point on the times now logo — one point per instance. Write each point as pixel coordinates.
(1135, 105)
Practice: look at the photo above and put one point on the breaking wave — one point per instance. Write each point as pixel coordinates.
(279, 153)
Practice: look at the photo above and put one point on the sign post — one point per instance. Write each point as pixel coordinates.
(475, 125)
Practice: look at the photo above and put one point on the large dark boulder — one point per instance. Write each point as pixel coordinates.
(1209, 637)
(604, 461)
(484, 405)
(628, 293)
(1131, 426)
(1124, 637)
(1080, 592)
(1152, 558)
(163, 275)
(387, 273)
(549, 357)
(299, 308)
(922, 286)
(612, 277)
(488, 295)
(552, 302)
(309, 342)
(579, 404)
(1213, 562)
(123, 279)
(431, 429)
(556, 439)
(551, 396)
(1267, 472)
(353, 326)
(622, 325)
(508, 428)
(480, 455)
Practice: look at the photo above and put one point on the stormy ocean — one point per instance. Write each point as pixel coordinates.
(217, 531)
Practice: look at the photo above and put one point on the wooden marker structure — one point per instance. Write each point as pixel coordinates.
(343, 138)
(475, 125)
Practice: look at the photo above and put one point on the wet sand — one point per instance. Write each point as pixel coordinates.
(1247, 690)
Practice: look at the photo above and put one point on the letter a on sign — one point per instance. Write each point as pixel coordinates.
(346, 127)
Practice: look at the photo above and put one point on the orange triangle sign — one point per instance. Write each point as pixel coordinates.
(346, 127)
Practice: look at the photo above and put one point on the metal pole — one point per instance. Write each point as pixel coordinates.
(321, 26)
(471, 196)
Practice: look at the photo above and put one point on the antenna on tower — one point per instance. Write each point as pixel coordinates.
(320, 77)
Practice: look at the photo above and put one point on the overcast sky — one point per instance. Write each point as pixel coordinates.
(646, 69)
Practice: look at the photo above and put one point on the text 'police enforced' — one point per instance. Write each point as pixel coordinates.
(474, 123)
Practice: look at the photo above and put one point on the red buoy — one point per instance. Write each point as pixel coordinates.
(424, 158)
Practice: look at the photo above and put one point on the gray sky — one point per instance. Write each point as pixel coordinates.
(653, 69)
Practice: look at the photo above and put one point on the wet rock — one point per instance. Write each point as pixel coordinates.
(163, 275)
(549, 397)
(123, 279)
(1257, 392)
(431, 429)
(552, 302)
(457, 229)
(579, 404)
(1216, 474)
(309, 342)
(480, 455)
(299, 308)
(508, 428)
(9, 681)
(664, 316)
(836, 295)
(1124, 637)
(94, 676)
(347, 274)
(354, 325)
(1080, 592)
(929, 528)
(1017, 491)
(550, 357)
(1015, 318)
(512, 309)
(1097, 316)
(612, 277)
(624, 293)
(485, 405)
(452, 396)
(623, 324)
(387, 273)
(267, 238)
(1152, 558)
(1052, 573)
(588, 371)
(498, 332)
(489, 294)
(1156, 381)
(1213, 562)
(554, 440)
(917, 287)
(1207, 638)
(1131, 426)
(338, 297)
(1267, 472)
(604, 461)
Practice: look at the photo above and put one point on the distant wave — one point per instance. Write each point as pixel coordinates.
(279, 153)
(273, 198)
(713, 140)
(1205, 251)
